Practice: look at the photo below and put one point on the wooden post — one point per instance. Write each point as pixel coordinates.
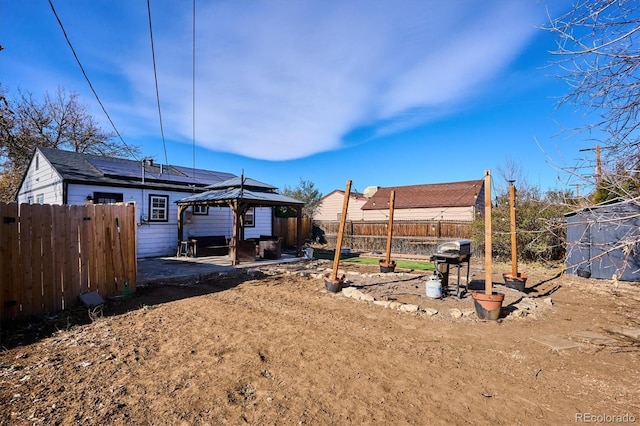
(514, 247)
(488, 251)
(298, 231)
(598, 165)
(233, 246)
(181, 209)
(343, 219)
(392, 198)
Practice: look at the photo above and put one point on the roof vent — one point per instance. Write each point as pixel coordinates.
(369, 191)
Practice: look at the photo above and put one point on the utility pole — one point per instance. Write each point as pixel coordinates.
(598, 172)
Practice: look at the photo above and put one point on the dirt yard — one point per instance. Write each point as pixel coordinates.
(274, 347)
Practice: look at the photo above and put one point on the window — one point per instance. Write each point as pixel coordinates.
(158, 208)
(107, 197)
(249, 218)
(30, 199)
(40, 198)
(37, 161)
(200, 210)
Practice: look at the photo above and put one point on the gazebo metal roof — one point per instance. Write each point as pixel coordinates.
(239, 194)
(237, 182)
(252, 196)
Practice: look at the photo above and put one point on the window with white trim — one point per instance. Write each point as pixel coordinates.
(249, 218)
(158, 208)
(40, 198)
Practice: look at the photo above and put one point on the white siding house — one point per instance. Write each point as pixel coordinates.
(63, 177)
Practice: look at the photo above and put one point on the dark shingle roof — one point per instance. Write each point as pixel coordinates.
(87, 168)
(451, 194)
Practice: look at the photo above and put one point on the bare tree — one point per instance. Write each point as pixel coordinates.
(512, 170)
(55, 122)
(539, 218)
(598, 46)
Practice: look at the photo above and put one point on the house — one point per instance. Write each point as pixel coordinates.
(459, 201)
(63, 177)
(604, 240)
(330, 206)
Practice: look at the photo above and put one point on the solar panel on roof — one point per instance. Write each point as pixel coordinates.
(110, 167)
(177, 174)
(204, 176)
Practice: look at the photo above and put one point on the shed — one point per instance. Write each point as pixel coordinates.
(604, 240)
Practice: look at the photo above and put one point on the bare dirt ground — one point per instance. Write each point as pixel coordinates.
(274, 347)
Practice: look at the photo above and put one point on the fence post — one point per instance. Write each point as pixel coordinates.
(9, 262)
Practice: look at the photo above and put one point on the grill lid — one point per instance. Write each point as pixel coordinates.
(455, 247)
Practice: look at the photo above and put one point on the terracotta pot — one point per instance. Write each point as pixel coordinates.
(387, 267)
(334, 286)
(488, 306)
(517, 282)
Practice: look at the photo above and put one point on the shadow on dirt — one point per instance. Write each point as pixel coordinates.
(535, 291)
(21, 332)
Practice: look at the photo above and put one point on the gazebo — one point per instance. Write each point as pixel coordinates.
(240, 194)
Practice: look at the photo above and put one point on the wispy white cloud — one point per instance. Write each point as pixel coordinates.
(285, 80)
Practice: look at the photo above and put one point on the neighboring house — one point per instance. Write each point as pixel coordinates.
(439, 201)
(330, 206)
(604, 240)
(64, 177)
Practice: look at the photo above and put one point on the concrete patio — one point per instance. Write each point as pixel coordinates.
(164, 270)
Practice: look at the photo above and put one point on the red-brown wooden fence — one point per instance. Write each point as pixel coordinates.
(51, 254)
(287, 228)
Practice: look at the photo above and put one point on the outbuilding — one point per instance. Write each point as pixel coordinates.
(603, 241)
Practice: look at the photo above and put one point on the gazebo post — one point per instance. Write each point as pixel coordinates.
(233, 247)
(299, 231)
(181, 209)
(242, 209)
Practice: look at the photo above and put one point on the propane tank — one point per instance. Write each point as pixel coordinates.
(434, 286)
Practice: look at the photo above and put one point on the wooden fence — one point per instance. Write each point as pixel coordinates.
(409, 237)
(287, 228)
(51, 254)
(423, 229)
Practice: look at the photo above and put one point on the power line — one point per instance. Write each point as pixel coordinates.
(131, 152)
(193, 90)
(155, 76)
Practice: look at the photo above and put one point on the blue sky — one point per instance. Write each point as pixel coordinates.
(378, 92)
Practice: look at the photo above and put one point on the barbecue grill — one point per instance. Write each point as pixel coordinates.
(452, 253)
